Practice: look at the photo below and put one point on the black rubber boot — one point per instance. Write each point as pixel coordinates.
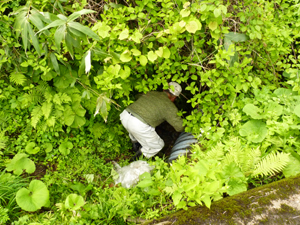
(136, 146)
(136, 156)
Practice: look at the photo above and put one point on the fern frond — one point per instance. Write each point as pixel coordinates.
(36, 115)
(35, 96)
(253, 156)
(215, 153)
(46, 109)
(271, 164)
(17, 78)
(234, 150)
(51, 121)
(48, 96)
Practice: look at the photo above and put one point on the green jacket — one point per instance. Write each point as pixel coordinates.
(154, 108)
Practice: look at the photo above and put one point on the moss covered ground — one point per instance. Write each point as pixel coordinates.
(274, 203)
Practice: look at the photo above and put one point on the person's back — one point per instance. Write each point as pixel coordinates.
(154, 108)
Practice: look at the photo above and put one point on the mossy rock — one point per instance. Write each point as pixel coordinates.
(275, 203)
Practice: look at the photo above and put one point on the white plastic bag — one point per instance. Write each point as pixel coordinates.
(129, 175)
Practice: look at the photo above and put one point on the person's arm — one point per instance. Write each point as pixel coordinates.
(174, 120)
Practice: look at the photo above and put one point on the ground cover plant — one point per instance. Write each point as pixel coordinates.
(67, 70)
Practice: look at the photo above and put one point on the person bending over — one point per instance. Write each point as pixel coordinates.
(150, 110)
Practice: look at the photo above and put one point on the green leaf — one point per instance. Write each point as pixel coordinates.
(135, 52)
(213, 25)
(176, 197)
(74, 202)
(233, 171)
(48, 147)
(84, 29)
(126, 56)
(143, 60)
(79, 121)
(33, 198)
(253, 111)
(152, 56)
(34, 40)
(19, 163)
(185, 12)
(166, 52)
(31, 149)
(236, 37)
(292, 168)
(102, 29)
(102, 106)
(124, 34)
(24, 33)
(125, 73)
(297, 110)
(254, 130)
(53, 24)
(54, 62)
(207, 201)
(159, 52)
(274, 109)
(217, 12)
(69, 116)
(136, 37)
(236, 186)
(145, 183)
(192, 26)
(59, 35)
(75, 15)
(69, 44)
(65, 147)
(36, 18)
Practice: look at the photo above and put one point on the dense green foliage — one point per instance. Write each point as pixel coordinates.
(63, 63)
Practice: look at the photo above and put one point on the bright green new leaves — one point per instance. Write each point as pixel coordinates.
(65, 147)
(31, 148)
(151, 56)
(74, 202)
(143, 60)
(192, 26)
(125, 73)
(124, 34)
(135, 52)
(213, 25)
(33, 198)
(103, 104)
(185, 12)
(163, 52)
(136, 37)
(126, 56)
(254, 130)
(102, 29)
(19, 163)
